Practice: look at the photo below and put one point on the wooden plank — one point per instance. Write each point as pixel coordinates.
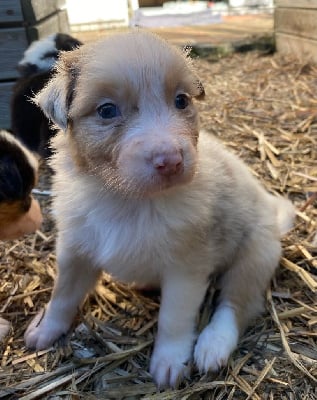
(63, 23)
(303, 49)
(297, 22)
(10, 11)
(44, 28)
(5, 96)
(296, 3)
(36, 10)
(13, 42)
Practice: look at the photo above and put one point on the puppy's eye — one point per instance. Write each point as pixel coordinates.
(181, 101)
(108, 111)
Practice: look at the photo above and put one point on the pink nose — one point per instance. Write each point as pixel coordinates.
(168, 163)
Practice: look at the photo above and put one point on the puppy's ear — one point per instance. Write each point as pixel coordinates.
(56, 97)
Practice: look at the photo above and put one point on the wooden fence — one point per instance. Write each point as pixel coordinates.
(296, 28)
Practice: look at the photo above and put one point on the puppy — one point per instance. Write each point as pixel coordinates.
(19, 212)
(28, 122)
(42, 54)
(142, 194)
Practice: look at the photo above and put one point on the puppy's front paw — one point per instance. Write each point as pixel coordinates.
(43, 332)
(212, 351)
(217, 341)
(169, 363)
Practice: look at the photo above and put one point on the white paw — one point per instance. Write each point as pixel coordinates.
(216, 342)
(43, 332)
(212, 351)
(169, 363)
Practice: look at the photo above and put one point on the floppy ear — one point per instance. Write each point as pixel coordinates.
(56, 97)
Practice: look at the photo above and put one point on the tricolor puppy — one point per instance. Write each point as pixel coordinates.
(19, 212)
(142, 194)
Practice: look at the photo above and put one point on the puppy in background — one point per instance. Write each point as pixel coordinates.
(28, 122)
(42, 54)
(20, 213)
(144, 195)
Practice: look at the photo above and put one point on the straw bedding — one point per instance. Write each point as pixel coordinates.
(265, 109)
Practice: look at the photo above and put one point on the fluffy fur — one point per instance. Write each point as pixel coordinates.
(28, 122)
(142, 194)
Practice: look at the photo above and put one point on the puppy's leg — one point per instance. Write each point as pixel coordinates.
(241, 298)
(75, 278)
(180, 301)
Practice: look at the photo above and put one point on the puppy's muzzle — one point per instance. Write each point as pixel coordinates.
(27, 69)
(168, 162)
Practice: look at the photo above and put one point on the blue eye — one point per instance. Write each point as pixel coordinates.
(181, 101)
(108, 111)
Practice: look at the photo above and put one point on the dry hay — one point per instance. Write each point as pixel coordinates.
(265, 109)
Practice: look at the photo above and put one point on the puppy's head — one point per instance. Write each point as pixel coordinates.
(42, 54)
(18, 175)
(127, 106)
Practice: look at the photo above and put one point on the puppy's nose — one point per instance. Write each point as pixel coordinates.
(168, 163)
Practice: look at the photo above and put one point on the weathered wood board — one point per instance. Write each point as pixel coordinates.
(27, 12)
(36, 10)
(10, 12)
(13, 42)
(303, 49)
(5, 96)
(298, 22)
(296, 28)
(56, 23)
(296, 3)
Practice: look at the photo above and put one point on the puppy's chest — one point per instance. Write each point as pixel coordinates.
(138, 243)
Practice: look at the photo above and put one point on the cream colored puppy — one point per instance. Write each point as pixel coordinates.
(146, 197)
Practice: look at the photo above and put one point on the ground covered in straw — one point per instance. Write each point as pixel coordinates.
(264, 107)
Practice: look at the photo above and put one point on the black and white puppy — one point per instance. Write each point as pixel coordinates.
(42, 54)
(28, 122)
(144, 194)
